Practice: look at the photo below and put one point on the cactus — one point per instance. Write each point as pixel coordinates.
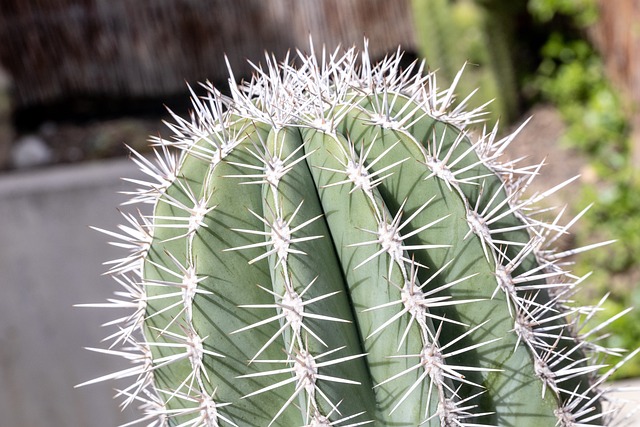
(480, 32)
(334, 245)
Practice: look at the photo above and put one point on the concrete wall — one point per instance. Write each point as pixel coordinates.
(50, 260)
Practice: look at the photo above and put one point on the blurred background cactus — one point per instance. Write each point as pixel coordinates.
(481, 33)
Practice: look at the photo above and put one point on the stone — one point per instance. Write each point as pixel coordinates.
(30, 151)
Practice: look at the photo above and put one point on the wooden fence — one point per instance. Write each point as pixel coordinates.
(59, 48)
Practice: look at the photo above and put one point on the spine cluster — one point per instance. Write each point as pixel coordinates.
(333, 245)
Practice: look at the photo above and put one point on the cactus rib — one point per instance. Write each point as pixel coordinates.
(332, 245)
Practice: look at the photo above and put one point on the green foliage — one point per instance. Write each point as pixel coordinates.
(582, 12)
(616, 214)
(572, 77)
(624, 331)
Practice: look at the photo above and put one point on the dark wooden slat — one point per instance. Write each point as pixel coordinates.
(60, 48)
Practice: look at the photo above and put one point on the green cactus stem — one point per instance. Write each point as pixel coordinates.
(337, 245)
(450, 33)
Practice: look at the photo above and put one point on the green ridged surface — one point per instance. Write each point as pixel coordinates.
(347, 254)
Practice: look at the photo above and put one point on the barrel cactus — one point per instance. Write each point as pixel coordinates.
(336, 244)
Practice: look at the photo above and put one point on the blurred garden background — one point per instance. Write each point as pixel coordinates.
(79, 79)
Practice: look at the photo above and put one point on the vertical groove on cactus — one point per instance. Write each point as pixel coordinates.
(336, 245)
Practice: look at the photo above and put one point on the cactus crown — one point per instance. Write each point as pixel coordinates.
(331, 245)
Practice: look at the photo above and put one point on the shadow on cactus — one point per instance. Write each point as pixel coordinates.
(332, 245)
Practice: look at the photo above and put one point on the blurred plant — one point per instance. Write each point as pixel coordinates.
(624, 330)
(616, 214)
(581, 12)
(571, 76)
(451, 33)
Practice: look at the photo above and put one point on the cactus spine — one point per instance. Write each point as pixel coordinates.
(332, 246)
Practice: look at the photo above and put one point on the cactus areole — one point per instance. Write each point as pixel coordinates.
(334, 245)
